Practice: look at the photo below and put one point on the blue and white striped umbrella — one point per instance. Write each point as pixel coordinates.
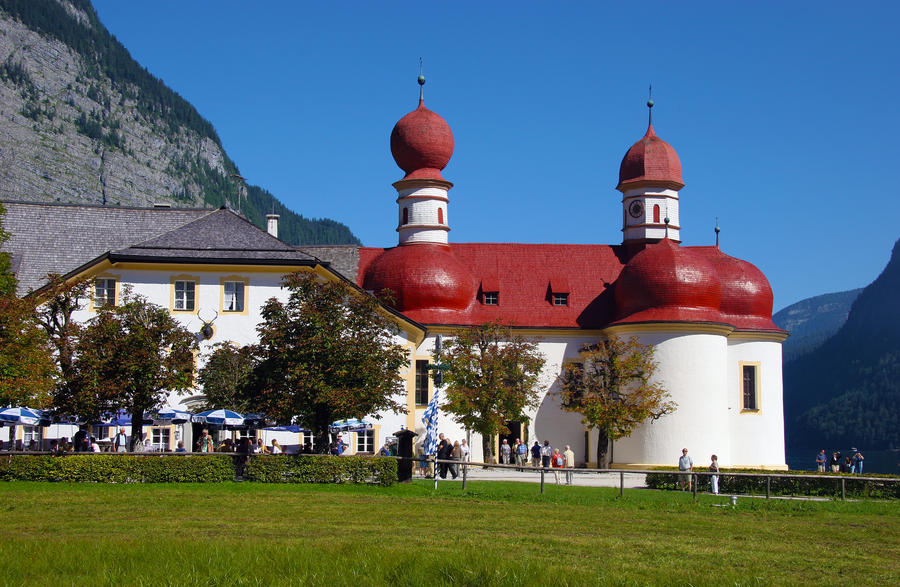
(173, 416)
(21, 416)
(219, 418)
(430, 419)
(350, 425)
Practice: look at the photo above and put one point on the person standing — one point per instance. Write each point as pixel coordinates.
(505, 451)
(536, 455)
(445, 453)
(570, 464)
(859, 462)
(557, 461)
(686, 466)
(546, 454)
(835, 462)
(205, 443)
(521, 454)
(456, 455)
(714, 479)
(121, 441)
(821, 461)
(78, 440)
(464, 446)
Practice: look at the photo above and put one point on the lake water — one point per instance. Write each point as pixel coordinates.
(877, 461)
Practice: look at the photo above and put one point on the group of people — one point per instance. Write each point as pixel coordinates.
(686, 467)
(448, 450)
(838, 463)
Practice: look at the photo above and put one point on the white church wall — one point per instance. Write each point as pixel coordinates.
(757, 437)
(692, 367)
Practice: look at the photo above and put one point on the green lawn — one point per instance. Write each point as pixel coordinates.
(494, 534)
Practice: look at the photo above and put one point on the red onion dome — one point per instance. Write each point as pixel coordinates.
(668, 283)
(422, 144)
(746, 293)
(422, 276)
(650, 161)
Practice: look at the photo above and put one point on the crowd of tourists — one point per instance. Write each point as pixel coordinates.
(540, 456)
(839, 463)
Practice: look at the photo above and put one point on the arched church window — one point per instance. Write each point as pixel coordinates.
(656, 213)
(406, 216)
(440, 215)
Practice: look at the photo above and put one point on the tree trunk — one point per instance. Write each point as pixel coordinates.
(603, 449)
(137, 428)
(487, 447)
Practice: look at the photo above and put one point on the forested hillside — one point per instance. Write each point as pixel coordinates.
(847, 392)
(813, 321)
(81, 121)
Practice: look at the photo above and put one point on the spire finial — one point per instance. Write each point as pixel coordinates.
(718, 230)
(650, 106)
(421, 80)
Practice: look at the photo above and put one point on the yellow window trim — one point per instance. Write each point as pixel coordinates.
(184, 277)
(93, 282)
(757, 380)
(234, 278)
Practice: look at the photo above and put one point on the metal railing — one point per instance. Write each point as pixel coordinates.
(621, 473)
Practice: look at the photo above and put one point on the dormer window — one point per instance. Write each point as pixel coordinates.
(559, 291)
(489, 292)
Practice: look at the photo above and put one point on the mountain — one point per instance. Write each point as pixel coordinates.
(813, 320)
(82, 122)
(847, 391)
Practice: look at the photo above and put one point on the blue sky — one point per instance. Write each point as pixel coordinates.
(783, 113)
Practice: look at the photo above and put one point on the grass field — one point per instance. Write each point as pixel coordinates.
(494, 534)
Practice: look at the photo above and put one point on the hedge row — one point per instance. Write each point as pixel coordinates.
(855, 486)
(212, 468)
(321, 469)
(117, 468)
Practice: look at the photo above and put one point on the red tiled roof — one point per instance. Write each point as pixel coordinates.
(668, 284)
(651, 160)
(422, 144)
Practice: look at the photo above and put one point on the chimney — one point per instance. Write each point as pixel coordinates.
(272, 224)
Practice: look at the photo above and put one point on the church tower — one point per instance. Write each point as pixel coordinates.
(422, 145)
(649, 179)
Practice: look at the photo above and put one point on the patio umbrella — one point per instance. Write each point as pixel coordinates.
(21, 417)
(219, 418)
(173, 416)
(351, 425)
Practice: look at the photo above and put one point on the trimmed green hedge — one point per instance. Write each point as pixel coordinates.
(213, 468)
(320, 469)
(117, 468)
(855, 486)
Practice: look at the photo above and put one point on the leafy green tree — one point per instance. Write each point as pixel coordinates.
(491, 378)
(612, 388)
(225, 377)
(324, 355)
(27, 370)
(129, 357)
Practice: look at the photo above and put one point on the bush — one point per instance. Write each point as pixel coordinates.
(855, 486)
(321, 469)
(94, 468)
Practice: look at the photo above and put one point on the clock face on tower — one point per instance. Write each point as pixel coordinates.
(636, 208)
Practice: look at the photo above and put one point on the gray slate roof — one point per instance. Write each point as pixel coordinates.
(60, 238)
(221, 236)
(343, 259)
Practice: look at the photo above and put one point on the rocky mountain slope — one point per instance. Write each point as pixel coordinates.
(847, 391)
(81, 121)
(813, 320)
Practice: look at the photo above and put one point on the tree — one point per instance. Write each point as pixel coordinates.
(324, 355)
(225, 377)
(491, 379)
(612, 389)
(129, 357)
(27, 372)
